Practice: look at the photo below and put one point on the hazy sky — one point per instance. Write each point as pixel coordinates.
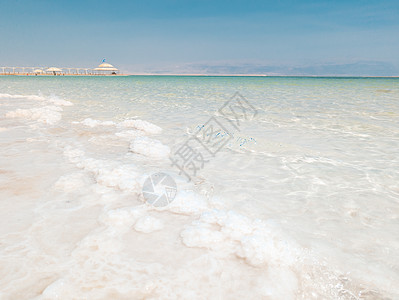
(275, 37)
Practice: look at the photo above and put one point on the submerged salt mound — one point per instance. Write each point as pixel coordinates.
(129, 134)
(72, 182)
(105, 172)
(61, 102)
(149, 147)
(52, 99)
(99, 255)
(231, 233)
(188, 203)
(94, 123)
(47, 114)
(122, 177)
(26, 97)
(148, 224)
(123, 217)
(74, 155)
(139, 125)
(145, 126)
(89, 122)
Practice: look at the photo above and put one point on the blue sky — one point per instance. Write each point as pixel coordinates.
(272, 37)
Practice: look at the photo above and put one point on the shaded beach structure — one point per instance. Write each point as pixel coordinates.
(106, 69)
(38, 71)
(102, 69)
(54, 70)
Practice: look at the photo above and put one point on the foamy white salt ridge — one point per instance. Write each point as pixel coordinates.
(227, 232)
(47, 114)
(51, 99)
(189, 202)
(129, 134)
(141, 125)
(28, 97)
(231, 233)
(99, 257)
(94, 123)
(105, 172)
(104, 247)
(149, 147)
(57, 101)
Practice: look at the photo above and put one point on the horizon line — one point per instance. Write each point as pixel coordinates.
(214, 75)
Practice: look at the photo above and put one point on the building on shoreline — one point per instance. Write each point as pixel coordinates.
(104, 69)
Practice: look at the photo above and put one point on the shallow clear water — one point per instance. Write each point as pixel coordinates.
(302, 203)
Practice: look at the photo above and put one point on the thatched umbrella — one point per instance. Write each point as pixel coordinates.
(105, 68)
(54, 70)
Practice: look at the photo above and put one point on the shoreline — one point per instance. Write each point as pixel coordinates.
(58, 75)
(264, 75)
(197, 75)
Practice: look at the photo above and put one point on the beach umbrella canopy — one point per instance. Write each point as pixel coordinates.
(106, 67)
(38, 71)
(53, 69)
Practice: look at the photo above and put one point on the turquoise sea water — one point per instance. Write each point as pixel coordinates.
(302, 202)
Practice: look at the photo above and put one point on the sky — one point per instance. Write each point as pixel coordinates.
(204, 36)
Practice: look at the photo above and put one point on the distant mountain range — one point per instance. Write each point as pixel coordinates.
(361, 68)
